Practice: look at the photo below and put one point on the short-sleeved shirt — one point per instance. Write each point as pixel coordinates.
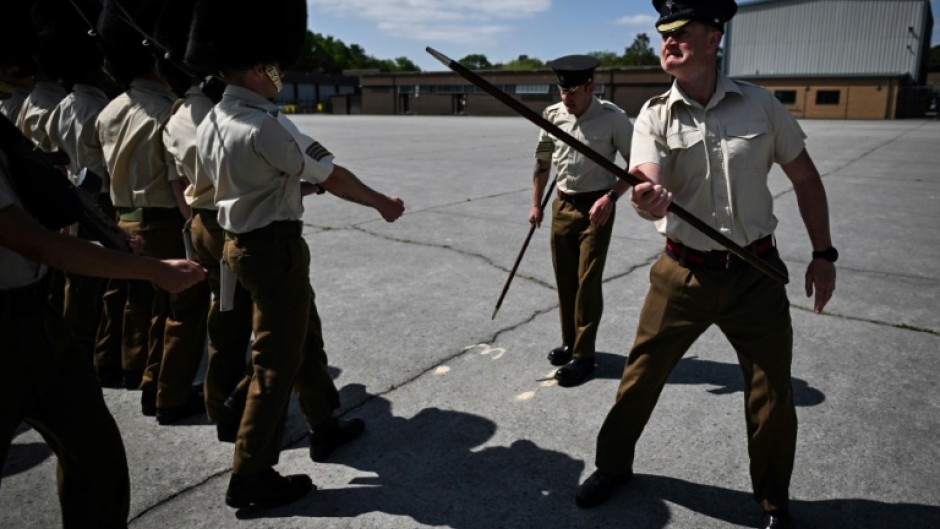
(255, 163)
(10, 107)
(71, 129)
(716, 159)
(130, 129)
(15, 270)
(179, 138)
(34, 114)
(603, 127)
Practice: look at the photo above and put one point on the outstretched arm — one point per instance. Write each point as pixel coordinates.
(20, 233)
(344, 184)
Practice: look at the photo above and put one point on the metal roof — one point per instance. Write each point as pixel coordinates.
(828, 37)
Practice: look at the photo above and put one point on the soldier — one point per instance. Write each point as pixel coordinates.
(256, 164)
(583, 212)
(68, 53)
(229, 331)
(148, 194)
(703, 142)
(55, 390)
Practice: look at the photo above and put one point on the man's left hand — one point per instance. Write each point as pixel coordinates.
(601, 210)
(821, 279)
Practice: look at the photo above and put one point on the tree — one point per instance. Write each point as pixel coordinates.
(523, 62)
(328, 55)
(476, 61)
(640, 53)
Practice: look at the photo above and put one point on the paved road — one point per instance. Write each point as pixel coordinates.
(466, 429)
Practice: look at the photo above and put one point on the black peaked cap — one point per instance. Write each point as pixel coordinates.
(673, 14)
(574, 70)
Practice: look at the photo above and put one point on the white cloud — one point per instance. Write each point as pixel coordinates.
(455, 21)
(643, 21)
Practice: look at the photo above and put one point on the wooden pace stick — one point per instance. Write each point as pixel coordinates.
(600, 160)
(512, 273)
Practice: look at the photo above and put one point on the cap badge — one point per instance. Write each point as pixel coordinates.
(671, 5)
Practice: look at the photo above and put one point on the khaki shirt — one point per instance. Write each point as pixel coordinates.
(15, 270)
(10, 107)
(716, 159)
(130, 130)
(34, 114)
(603, 127)
(255, 162)
(71, 129)
(179, 138)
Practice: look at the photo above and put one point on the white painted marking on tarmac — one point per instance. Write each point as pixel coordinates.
(549, 383)
(526, 395)
(441, 370)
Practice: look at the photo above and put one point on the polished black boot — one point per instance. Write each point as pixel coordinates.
(333, 434)
(268, 489)
(574, 372)
(560, 356)
(598, 487)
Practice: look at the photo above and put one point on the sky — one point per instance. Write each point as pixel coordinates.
(500, 29)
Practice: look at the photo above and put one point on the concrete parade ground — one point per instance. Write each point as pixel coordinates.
(465, 427)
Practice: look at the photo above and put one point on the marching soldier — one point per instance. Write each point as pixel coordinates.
(148, 194)
(229, 331)
(583, 212)
(256, 165)
(67, 53)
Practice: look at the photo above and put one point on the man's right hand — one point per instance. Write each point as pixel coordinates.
(535, 216)
(392, 209)
(179, 274)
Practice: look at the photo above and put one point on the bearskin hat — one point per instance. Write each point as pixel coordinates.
(172, 34)
(17, 37)
(126, 54)
(224, 38)
(65, 50)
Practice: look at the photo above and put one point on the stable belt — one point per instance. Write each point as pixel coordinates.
(280, 228)
(716, 258)
(581, 199)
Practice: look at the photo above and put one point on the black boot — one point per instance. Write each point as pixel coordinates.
(333, 434)
(194, 405)
(560, 356)
(268, 489)
(574, 372)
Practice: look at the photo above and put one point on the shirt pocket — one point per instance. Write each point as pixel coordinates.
(748, 143)
(683, 139)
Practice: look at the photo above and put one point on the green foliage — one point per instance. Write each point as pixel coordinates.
(523, 62)
(476, 61)
(639, 53)
(327, 55)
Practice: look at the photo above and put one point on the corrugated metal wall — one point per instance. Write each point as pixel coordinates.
(827, 37)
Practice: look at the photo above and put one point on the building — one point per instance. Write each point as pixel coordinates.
(835, 59)
(444, 93)
(828, 59)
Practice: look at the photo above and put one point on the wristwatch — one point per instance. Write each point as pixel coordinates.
(612, 195)
(830, 254)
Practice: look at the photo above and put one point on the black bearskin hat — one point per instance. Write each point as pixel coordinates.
(17, 37)
(125, 54)
(172, 33)
(65, 51)
(225, 38)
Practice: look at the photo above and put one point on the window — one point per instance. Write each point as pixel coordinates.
(787, 97)
(828, 97)
(532, 89)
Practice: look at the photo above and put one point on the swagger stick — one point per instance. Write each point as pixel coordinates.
(512, 273)
(600, 160)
